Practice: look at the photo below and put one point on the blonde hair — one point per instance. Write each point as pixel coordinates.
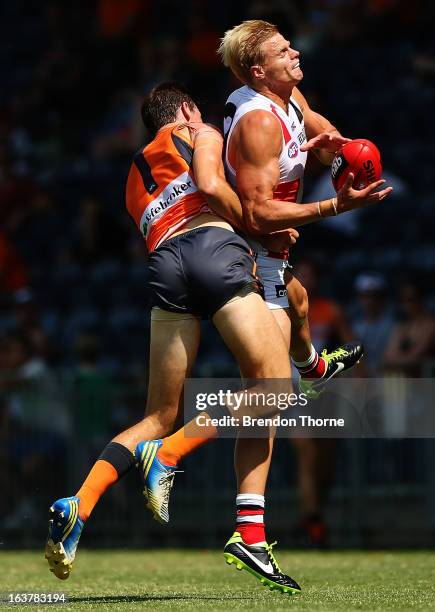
(240, 47)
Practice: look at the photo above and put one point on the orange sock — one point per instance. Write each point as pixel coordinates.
(176, 447)
(184, 441)
(99, 479)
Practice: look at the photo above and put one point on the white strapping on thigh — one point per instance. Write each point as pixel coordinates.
(158, 314)
(242, 293)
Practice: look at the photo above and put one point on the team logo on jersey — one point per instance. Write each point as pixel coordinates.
(302, 136)
(293, 126)
(180, 187)
(280, 291)
(293, 149)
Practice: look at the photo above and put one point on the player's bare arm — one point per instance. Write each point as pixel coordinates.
(210, 176)
(323, 137)
(210, 179)
(257, 142)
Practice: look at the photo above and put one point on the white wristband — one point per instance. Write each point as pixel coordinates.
(334, 205)
(318, 209)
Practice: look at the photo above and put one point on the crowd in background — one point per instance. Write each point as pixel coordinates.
(73, 293)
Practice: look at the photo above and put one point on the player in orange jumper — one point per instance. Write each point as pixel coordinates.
(198, 267)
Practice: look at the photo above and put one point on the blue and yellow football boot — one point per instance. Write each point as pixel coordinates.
(157, 478)
(64, 530)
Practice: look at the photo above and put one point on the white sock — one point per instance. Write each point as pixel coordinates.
(311, 359)
(250, 499)
(250, 517)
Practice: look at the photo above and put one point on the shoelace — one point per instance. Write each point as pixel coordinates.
(269, 548)
(167, 482)
(328, 357)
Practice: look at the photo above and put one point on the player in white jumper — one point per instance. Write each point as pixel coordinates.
(289, 188)
(267, 122)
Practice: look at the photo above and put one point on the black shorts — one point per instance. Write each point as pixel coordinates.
(201, 270)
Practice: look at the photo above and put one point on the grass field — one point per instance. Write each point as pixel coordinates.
(191, 580)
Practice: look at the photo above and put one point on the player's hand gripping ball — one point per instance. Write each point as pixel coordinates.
(362, 158)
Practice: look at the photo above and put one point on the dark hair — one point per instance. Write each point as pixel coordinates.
(161, 104)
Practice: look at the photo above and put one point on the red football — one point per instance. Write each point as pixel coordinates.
(362, 158)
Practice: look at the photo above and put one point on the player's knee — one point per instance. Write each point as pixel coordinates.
(159, 423)
(269, 365)
(270, 396)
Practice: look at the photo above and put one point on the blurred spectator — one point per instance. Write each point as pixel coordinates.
(32, 390)
(120, 131)
(38, 420)
(16, 193)
(13, 272)
(316, 456)
(412, 341)
(5, 460)
(328, 323)
(91, 394)
(374, 324)
(28, 323)
(115, 17)
(96, 407)
(96, 234)
(44, 220)
(202, 42)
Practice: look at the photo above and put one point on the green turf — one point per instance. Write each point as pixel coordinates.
(191, 580)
